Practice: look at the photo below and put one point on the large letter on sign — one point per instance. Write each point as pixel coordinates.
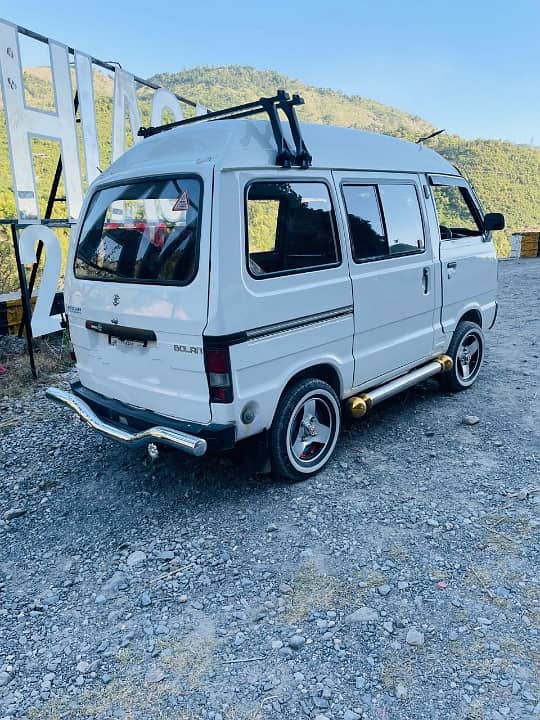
(124, 94)
(87, 111)
(42, 321)
(165, 100)
(23, 123)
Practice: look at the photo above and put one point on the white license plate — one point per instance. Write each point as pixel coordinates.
(126, 343)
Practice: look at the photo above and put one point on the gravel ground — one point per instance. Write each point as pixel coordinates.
(402, 582)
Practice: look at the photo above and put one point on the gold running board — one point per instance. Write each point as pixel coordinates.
(358, 405)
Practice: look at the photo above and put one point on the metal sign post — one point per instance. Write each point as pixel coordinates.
(25, 299)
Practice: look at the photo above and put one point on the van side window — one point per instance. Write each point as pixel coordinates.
(290, 228)
(368, 238)
(405, 232)
(455, 212)
(384, 220)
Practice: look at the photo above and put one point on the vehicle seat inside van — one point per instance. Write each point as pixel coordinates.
(310, 238)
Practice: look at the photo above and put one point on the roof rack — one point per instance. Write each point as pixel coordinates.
(285, 157)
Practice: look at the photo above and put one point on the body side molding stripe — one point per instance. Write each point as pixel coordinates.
(266, 330)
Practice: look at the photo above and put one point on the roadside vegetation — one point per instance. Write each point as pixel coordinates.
(52, 356)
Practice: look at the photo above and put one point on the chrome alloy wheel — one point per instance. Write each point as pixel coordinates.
(312, 431)
(469, 357)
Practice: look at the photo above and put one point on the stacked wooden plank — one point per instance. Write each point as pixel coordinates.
(529, 244)
(11, 313)
(525, 244)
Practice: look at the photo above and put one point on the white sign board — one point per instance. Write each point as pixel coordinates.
(24, 123)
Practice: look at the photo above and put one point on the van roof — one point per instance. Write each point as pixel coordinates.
(243, 144)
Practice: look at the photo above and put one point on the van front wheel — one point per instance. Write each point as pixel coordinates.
(467, 352)
(305, 429)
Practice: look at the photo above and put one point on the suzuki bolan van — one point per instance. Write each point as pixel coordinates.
(226, 282)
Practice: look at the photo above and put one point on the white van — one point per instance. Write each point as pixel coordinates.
(222, 283)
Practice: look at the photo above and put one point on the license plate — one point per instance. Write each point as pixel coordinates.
(126, 343)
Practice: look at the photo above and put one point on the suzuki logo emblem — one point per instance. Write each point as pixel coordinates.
(115, 300)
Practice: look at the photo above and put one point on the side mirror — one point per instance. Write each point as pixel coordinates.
(493, 221)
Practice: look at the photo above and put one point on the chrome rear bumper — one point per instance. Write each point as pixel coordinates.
(168, 436)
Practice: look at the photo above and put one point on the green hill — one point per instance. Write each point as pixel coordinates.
(231, 85)
(505, 175)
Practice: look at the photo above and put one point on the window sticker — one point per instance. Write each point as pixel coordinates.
(182, 203)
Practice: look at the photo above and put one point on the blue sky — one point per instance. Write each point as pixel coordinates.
(470, 67)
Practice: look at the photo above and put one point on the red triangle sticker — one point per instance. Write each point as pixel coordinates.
(182, 203)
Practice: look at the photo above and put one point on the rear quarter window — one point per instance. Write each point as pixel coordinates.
(290, 228)
(145, 232)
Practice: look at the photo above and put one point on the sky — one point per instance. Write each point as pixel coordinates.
(471, 67)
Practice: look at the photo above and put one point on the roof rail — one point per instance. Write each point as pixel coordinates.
(285, 157)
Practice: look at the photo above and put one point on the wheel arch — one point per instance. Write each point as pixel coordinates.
(322, 371)
(473, 315)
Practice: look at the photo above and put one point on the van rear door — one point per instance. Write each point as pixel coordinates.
(137, 295)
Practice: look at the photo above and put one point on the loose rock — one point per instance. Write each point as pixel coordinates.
(135, 558)
(14, 513)
(414, 637)
(113, 585)
(364, 614)
(401, 691)
(155, 675)
(5, 678)
(296, 642)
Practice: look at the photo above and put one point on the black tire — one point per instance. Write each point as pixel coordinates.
(467, 342)
(307, 410)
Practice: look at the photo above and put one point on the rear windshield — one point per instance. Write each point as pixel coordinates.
(145, 232)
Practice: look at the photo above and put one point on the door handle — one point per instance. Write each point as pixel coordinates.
(451, 268)
(425, 280)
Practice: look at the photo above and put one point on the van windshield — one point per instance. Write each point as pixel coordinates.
(144, 232)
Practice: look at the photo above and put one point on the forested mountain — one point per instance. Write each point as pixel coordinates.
(231, 85)
(506, 175)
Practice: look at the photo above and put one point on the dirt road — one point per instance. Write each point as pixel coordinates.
(403, 582)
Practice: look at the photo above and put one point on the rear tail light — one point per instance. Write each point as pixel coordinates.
(218, 371)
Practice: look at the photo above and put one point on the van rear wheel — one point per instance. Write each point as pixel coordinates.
(467, 352)
(305, 429)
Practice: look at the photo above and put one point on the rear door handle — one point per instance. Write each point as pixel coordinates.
(425, 280)
(451, 268)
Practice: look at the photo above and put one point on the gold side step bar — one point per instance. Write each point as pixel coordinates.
(358, 405)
